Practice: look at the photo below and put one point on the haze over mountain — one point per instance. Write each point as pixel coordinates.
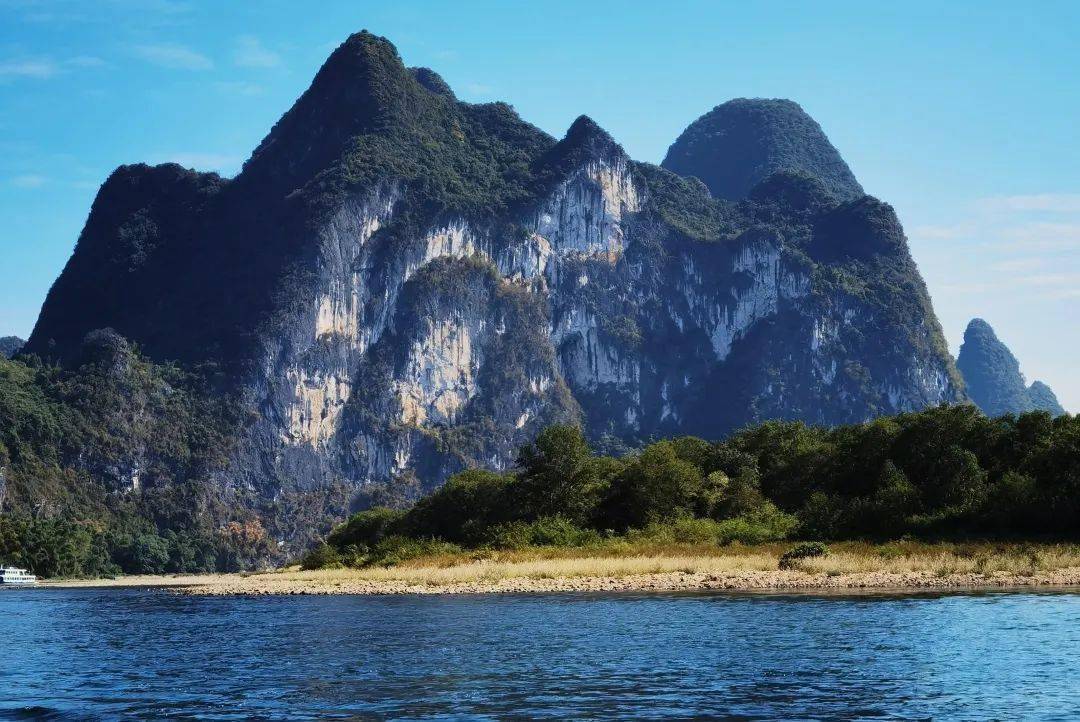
(399, 285)
(993, 378)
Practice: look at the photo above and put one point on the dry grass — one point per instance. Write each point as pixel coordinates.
(844, 558)
(848, 564)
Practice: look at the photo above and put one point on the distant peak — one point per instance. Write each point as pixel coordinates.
(740, 143)
(10, 345)
(992, 375)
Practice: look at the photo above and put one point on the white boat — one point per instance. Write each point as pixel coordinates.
(16, 576)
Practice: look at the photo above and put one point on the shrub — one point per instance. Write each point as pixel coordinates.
(546, 531)
(323, 556)
(396, 549)
(806, 550)
(463, 508)
(765, 526)
(367, 528)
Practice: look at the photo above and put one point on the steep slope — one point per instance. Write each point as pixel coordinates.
(993, 378)
(398, 285)
(742, 142)
(10, 345)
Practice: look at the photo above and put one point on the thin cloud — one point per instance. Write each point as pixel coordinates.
(1017, 265)
(1051, 279)
(240, 87)
(134, 13)
(40, 69)
(251, 53)
(478, 89)
(86, 61)
(173, 56)
(1034, 203)
(1041, 235)
(943, 232)
(29, 180)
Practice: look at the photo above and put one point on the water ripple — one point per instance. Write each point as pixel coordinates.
(143, 654)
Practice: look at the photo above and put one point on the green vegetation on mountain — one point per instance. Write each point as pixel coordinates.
(106, 467)
(740, 143)
(944, 473)
(294, 323)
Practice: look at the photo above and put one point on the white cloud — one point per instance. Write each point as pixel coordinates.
(40, 69)
(1016, 265)
(171, 55)
(1051, 279)
(29, 180)
(1041, 235)
(86, 61)
(1034, 203)
(251, 53)
(943, 232)
(240, 87)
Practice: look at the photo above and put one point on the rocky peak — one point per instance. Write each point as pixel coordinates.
(742, 142)
(584, 141)
(363, 86)
(992, 375)
(10, 345)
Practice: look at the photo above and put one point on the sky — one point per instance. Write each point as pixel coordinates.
(961, 115)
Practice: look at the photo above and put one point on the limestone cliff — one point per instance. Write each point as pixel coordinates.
(398, 285)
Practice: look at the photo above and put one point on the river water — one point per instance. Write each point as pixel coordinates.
(149, 654)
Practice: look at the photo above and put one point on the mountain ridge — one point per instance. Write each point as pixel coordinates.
(399, 285)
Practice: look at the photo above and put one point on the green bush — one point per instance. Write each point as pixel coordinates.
(365, 529)
(546, 531)
(806, 550)
(396, 549)
(322, 556)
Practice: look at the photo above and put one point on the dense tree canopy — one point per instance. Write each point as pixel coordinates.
(942, 473)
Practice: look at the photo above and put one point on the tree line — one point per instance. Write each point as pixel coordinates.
(943, 473)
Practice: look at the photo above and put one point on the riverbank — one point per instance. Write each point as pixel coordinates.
(848, 566)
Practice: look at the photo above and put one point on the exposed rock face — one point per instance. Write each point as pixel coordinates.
(742, 142)
(993, 377)
(10, 345)
(398, 285)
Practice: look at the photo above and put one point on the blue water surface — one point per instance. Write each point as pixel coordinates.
(150, 654)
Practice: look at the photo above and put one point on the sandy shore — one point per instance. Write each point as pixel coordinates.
(290, 582)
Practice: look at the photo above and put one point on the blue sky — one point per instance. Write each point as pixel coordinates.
(963, 117)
